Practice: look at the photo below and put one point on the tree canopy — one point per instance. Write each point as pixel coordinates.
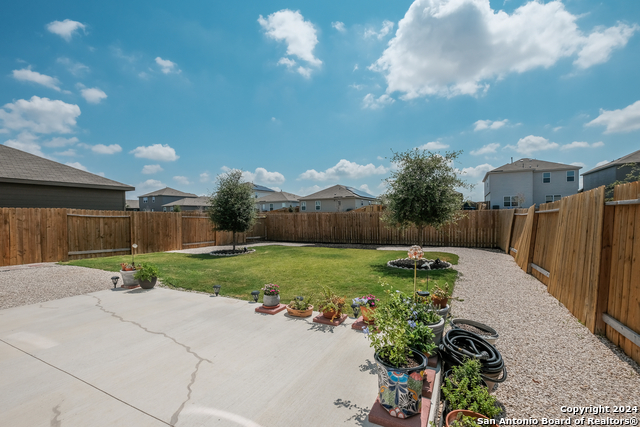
(422, 191)
(232, 205)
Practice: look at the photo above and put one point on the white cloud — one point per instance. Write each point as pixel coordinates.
(93, 95)
(167, 66)
(299, 35)
(77, 165)
(433, 145)
(305, 191)
(339, 26)
(40, 115)
(149, 185)
(181, 180)
(27, 75)
(624, 120)
(477, 171)
(344, 169)
(488, 124)
(370, 101)
(581, 144)
(582, 165)
(486, 149)
(65, 29)
(60, 142)
(387, 26)
(151, 169)
(455, 47)
(530, 144)
(69, 153)
(604, 162)
(26, 141)
(75, 68)
(106, 149)
(557, 128)
(204, 177)
(263, 176)
(159, 152)
(365, 187)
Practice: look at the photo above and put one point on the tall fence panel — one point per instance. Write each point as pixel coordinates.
(92, 234)
(505, 223)
(519, 221)
(156, 231)
(197, 230)
(545, 241)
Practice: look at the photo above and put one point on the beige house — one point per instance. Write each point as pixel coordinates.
(277, 200)
(338, 198)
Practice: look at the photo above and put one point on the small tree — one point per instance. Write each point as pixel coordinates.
(232, 206)
(176, 208)
(632, 176)
(421, 191)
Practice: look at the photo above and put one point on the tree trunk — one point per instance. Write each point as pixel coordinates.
(234, 241)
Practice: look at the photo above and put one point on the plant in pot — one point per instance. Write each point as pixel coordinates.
(368, 304)
(146, 275)
(301, 307)
(400, 367)
(464, 391)
(271, 295)
(440, 295)
(127, 271)
(426, 314)
(330, 304)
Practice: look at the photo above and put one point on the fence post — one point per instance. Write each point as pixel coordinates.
(602, 301)
(532, 242)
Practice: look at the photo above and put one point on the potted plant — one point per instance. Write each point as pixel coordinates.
(440, 295)
(400, 367)
(271, 295)
(127, 271)
(462, 418)
(463, 389)
(146, 275)
(330, 304)
(368, 304)
(300, 307)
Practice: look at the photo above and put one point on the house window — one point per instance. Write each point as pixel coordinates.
(153, 199)
(361, 202)
(511, 202)
(303, 206)
(264, 207)
(164, 209)
(552, 198)
(270, 206)
(284, 205)
(145, 200)
(546, 177)
(318, 206)
(152, 210)
(571, 176)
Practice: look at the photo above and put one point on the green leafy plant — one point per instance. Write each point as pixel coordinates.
(463, 389)
(329, 301)
(441, 291)
(302, 304)
(146, 272)
(464, 421)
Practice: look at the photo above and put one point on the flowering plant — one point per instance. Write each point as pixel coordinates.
(271, 289)
(127, 267)
(415, 252)
(367, 300)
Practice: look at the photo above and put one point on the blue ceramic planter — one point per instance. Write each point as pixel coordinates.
(400, 390)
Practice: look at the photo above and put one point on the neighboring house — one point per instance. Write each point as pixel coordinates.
(132, 205)
(154, 201)
(277, 200)
(29, 181)
(260, 191)
(338, 198)
(529, 181)
(610, 172)
(188, 204)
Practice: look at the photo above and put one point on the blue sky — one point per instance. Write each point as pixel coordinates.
(303, 95)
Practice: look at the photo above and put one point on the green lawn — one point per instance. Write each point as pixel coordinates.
(298, 271)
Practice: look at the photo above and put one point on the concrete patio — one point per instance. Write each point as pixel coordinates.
(164, 357)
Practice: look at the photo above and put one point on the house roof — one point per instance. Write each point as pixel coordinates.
(167, 191)
(257, 187)
(535, 165)
(338, 191)
(189, 201)
(24, 168)
(133, 204)
(278, 196)
(629, 158)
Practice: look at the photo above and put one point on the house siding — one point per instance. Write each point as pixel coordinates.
(604, 177)
(50, 196)
(157, 204)
(331, 205)
(558, 185)
(509, 184)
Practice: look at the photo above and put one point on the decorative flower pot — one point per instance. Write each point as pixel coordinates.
(438, 329)
(331, 314)
(127, 278)
(271, 300)
(443, 311)
(148, 284)
(367, 313)
(439, 302)
(300, 313)
(454, 414)
(400, 389)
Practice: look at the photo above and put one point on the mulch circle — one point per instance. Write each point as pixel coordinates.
(230, 252)
(422, 265)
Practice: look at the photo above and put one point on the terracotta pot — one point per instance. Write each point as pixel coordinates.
(331, 314)
(300, 313)
(442, 302)
(454, 414)
(367, 313)
(400, 389)
(148, 284)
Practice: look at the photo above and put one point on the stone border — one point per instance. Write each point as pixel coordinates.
(250, 251)
(407, 268)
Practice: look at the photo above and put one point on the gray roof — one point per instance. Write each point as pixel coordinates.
(167, 191)
(133, 204)
(337, 192)
(189, 201)
(25, 168)
(277, 197)
(531, 165)
(629, 158)
(257, 187)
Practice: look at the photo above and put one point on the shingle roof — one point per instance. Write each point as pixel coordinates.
(338, 191)
(189, 201)
(531, 165)
(278, 196)
(257, 187)
(167, 191)
(629, 158)
(25, 168)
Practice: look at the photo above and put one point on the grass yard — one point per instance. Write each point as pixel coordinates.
(298, 271)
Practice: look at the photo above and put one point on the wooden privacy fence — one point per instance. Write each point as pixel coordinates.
(477, 229)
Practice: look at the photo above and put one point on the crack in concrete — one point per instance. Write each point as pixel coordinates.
(55, 422)
(194, 374)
